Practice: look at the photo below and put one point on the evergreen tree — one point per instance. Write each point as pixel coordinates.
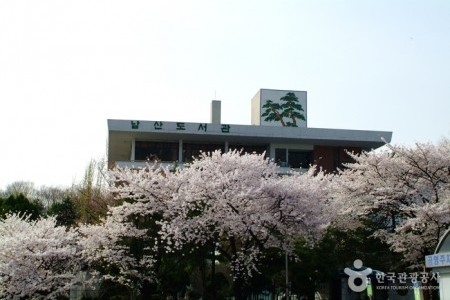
(21, 205)
(64, 211)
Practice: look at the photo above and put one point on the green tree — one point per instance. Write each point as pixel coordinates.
(64, 211)
(91, 197)
(21, 205)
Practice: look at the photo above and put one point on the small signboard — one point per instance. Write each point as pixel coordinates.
(437, 260)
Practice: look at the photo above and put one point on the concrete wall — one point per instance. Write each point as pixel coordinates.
(256, 109)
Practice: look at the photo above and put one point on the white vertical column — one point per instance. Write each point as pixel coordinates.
(215, 111)
(271, 152)
(180, 151)
(133, 150)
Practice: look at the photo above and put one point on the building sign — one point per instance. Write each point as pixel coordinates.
(437, 260)
(179, 126)
(203, 127)
(158, 125)
(279, 108)
(225, 128)
(135, 124)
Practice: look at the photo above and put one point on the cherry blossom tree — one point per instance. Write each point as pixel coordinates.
(125, 246)
(118, 247)
(236, 205)
(38, 259)
(403, 192)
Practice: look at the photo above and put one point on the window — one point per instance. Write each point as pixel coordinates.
(193, 150)
(159, 151)
(293, 158)
(300, 158)
(258, 149)
(281, 157)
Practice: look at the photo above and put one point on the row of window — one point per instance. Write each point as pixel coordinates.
(294, 158)
(164, 151)
(169, 151)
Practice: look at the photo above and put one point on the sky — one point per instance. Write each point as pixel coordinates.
(68, 66)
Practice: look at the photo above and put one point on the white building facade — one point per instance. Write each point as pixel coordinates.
(279, 129)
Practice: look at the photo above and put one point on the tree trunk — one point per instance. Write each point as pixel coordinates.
(213, 272)
(238, 283)
(294, 121)
(279, 117)
(203, 276)
(133, 291)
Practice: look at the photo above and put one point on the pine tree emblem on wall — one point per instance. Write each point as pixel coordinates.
(289, 107)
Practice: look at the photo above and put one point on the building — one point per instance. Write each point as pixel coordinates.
(279, 128)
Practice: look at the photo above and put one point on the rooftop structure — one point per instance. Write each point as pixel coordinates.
(279, 128)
